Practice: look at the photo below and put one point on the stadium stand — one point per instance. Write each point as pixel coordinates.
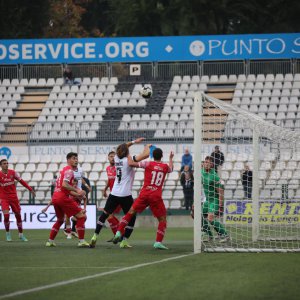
(101, 108)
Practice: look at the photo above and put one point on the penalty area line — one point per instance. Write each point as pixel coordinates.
(75, 280)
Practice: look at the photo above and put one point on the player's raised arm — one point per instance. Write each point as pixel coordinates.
(136, 141)
(171, 165)
(133, 162)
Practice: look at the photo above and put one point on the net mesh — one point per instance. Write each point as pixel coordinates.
(257, 183)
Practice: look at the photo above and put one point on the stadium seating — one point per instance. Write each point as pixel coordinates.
(79, 111)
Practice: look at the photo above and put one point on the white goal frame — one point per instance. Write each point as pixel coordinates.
(258, 126)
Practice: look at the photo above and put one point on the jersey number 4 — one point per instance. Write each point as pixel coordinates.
(119, 175)
(157, 178)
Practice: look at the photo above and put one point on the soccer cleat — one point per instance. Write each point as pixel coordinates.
(93, 241)
(69, 236)
(125, 244)
(8, 237)
(159, 245)
(117, 238)
(83, 244)
(50, 244)
(224, 238)
(23, 238)
(75, 234)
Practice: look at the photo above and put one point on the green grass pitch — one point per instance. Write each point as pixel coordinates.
(211, 276)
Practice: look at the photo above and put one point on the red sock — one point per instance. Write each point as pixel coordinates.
(6, 222)
(80, 228)
(68, 229)
(55, 229)
(162, 225)
(19, 222)
(113, 223)
(124, 222)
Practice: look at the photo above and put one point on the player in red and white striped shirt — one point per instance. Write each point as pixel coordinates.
(150, 195)
(9, 197)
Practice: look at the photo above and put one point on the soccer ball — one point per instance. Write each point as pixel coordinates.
(146, 91)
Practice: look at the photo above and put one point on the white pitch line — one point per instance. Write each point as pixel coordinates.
(66, 282)
(54, 268)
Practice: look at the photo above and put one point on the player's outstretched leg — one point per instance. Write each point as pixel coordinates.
(121, 229)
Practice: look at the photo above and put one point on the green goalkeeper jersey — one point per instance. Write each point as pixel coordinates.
(210, 182)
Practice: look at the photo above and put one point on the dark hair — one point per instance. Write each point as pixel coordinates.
(2, 160)
(111, 152)
(157, 154)
(71, 154)
(122, 151)
(208, 158)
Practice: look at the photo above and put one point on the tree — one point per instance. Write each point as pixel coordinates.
(64, 19)
(24, 19)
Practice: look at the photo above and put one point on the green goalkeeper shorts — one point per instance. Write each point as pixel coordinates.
(211, 207)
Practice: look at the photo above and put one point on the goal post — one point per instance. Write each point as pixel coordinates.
(258, 182)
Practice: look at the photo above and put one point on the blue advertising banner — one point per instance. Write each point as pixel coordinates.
(143, 49)
(270, 212)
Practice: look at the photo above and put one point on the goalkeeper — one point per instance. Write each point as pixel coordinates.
(213, 206)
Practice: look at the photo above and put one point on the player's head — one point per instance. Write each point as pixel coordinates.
(4, 164)
(186, 168)
(111, 157)
(72, 159)
(207, 164)
(217, 148)
(157, 154)
(122, 151)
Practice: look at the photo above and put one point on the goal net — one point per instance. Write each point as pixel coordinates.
(250, 202)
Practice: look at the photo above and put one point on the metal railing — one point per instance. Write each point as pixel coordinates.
(150, 70)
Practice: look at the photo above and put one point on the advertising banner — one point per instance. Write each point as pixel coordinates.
(34, 218)
(143, 49)
(270, 212)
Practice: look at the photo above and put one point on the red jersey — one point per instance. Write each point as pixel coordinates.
(155, 173)
(111, 175)
(7, 184)
(66, 174)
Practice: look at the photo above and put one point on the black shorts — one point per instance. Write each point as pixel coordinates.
(114, 201)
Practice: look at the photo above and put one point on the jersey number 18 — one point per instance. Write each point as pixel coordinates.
(157, 178)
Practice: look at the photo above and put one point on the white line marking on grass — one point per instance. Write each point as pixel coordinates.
(66, 282)
(54, 268)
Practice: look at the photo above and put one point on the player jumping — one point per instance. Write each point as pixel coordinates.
(150, 195)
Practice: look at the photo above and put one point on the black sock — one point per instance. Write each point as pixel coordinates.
(129, 228)
(101, 222)
(73, 226)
